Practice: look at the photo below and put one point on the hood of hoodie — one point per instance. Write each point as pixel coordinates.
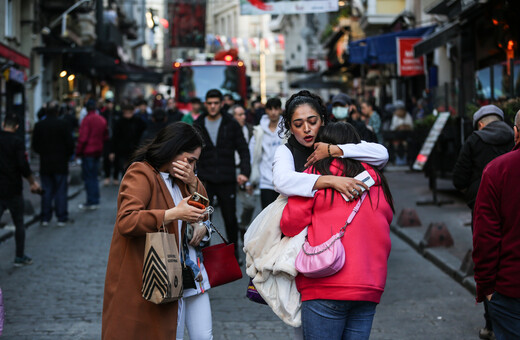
(496, 133)
(264, 123)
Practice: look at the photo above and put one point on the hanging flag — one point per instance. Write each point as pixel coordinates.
(188, 18)
(258, 7)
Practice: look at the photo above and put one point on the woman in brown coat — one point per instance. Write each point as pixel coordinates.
(154, 191)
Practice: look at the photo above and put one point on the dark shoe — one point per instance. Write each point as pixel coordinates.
(486, 333)
(22, 261)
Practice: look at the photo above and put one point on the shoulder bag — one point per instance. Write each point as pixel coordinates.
(220, 262)
(328, 258)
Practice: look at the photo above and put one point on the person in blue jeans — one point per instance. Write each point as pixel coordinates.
(93, 133)
(342, 305)
(53, 141)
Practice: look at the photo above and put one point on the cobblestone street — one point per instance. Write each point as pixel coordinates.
(60, 295)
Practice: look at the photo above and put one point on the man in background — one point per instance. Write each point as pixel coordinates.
(14, 166)
(496, 241)
(53, 142)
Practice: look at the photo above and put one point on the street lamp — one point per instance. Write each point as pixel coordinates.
(63, 74)
(71, 77)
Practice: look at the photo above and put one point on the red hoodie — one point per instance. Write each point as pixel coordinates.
(366, 241)
(496, 234)
(93, 133)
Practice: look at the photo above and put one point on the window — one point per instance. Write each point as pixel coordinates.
(278, 65)
(255, 65)
(9, 30)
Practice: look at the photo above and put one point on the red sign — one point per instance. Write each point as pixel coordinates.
(188, 23)
(13, 55)
(407, 65)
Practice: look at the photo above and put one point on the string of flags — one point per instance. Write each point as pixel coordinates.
(245, 45)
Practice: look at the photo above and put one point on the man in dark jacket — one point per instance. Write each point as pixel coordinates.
(216, 168)
(109, 165)
(492, 137)
(127, 135)
(93, 133)
(53, 142)
(14, 166)
(172, 111)
(496, 241)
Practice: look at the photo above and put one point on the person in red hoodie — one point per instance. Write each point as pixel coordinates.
(343, 305)
(93, 133)
(496, 241)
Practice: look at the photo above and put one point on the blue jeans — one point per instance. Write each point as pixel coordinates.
(505, 316)
(90, 168)
(54, 190)
(336, 319)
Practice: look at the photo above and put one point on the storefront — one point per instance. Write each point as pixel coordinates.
(12, 80)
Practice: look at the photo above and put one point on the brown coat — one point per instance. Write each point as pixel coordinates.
(142, 201)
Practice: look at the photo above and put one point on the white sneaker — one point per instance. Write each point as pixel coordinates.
(83, 206)
(44, 224)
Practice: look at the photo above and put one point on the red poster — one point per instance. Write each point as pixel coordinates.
(187, 23)
(407, 65)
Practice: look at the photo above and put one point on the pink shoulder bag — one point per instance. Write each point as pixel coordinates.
(328, 258)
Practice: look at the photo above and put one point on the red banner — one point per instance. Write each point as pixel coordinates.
(187, 23)
(407, 65)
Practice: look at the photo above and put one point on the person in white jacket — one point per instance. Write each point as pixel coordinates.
(262, 147)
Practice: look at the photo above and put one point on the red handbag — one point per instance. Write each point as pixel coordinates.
(220, 262)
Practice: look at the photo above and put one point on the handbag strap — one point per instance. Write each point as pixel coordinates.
(212, 226)
(353, 214)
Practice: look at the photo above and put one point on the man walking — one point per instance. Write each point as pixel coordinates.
(53, 142)
(14, 166)
(93, 133)
(222, 137)
(496, 241)
(492, 137)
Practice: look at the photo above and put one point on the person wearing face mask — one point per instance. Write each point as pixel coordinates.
(344, 109)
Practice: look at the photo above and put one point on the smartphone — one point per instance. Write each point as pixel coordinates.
(199, 201)
(365, 178)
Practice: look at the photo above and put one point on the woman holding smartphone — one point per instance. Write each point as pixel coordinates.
(154, 192)
(342, 306)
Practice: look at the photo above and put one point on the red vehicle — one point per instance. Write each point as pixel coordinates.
(194, 79)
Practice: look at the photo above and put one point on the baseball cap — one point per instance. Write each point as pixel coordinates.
(341, 98)
(486, 110)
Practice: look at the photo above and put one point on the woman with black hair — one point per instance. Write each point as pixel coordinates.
(154, 192)
(342, 306)
(304, 115)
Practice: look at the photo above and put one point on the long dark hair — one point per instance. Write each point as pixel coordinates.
(172, 140)
(298, 99)
(342, 133)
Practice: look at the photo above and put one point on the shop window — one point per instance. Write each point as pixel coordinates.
(9, 29)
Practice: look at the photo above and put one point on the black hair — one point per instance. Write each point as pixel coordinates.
(214, 93)
(52, 109)
(343, 133)
(227, 95)
(127, 107)
(170, 141)
(298, 99)
(195, 100)
(11, 120)
(273, 103)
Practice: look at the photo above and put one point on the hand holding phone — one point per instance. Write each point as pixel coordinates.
(365, 178)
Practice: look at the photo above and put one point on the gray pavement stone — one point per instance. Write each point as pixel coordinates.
(60, 295)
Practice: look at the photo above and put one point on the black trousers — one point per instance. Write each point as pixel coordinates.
(15, 206)
(226, 195)
(267, 196)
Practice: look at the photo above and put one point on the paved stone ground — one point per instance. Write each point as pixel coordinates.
(60, 295)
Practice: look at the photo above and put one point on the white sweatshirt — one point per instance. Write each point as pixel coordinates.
(288, 182)
(264, 160)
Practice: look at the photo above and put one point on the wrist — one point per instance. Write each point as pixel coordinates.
(336, 151)
(170, 215)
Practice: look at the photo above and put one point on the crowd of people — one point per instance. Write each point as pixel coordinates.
(305, 153)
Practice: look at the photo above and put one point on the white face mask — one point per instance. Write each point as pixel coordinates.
(340, 112)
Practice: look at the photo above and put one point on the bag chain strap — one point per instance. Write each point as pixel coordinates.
(342, 230)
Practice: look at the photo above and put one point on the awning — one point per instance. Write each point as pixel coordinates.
(381, 49)
(15, 56)
(437, 39)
